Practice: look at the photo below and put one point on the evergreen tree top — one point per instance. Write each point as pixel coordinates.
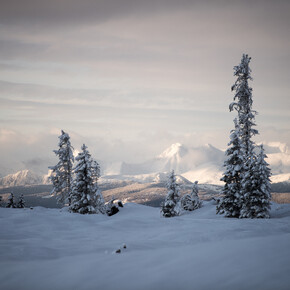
(84, 160)
(64, 137)
(243, 70)
(195, 188)
(84, 154)
(65, 150)
(243, 91)
(86, 196)
(61, 175)
(84, 147)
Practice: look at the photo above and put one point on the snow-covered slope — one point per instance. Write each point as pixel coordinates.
(187, 162)
(46, 177)
(208, 174)
(278, 157)
(204, 163)
(21, 178)
(285, 177)
(54, 249)
(160, 177)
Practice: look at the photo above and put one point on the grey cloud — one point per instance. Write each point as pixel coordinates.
(155, 39)
(9, 48)
(74, 11)
(125, 67)
(36, 164)
(27, 95)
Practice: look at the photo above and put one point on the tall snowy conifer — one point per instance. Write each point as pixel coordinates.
(257, 188)
(231, 202)
(85, 196)
(243, 189)
(170, 207)
(243, 104)
(61, 175)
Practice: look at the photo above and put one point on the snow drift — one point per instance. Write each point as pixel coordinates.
(53, 249)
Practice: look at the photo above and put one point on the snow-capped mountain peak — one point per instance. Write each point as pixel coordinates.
(203, 163)
(174, 150)
(22, 178)
(181, 159)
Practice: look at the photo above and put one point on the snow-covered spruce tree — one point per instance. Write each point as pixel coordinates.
(257, 188)
(246, 120)
(243, 102)
(191, 201)
(21, 202)
(231, 202)
(61, 176)
(11, 201)
(170, 206)
(86, 197)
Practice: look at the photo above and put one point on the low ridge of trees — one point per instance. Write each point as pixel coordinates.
(191, 201)
(173, 204)
(21, 202)
(11, 201)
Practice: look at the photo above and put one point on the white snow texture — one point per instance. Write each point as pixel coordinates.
(54, 249)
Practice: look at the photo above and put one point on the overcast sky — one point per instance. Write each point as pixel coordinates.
(129, 77)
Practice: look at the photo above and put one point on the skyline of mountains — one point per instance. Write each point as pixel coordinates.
(204, 163)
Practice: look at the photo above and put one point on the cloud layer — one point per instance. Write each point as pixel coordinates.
(132, 77)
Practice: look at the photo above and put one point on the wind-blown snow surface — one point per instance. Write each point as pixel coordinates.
(54, 249)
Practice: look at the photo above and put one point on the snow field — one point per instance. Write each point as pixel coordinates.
(54, 249)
